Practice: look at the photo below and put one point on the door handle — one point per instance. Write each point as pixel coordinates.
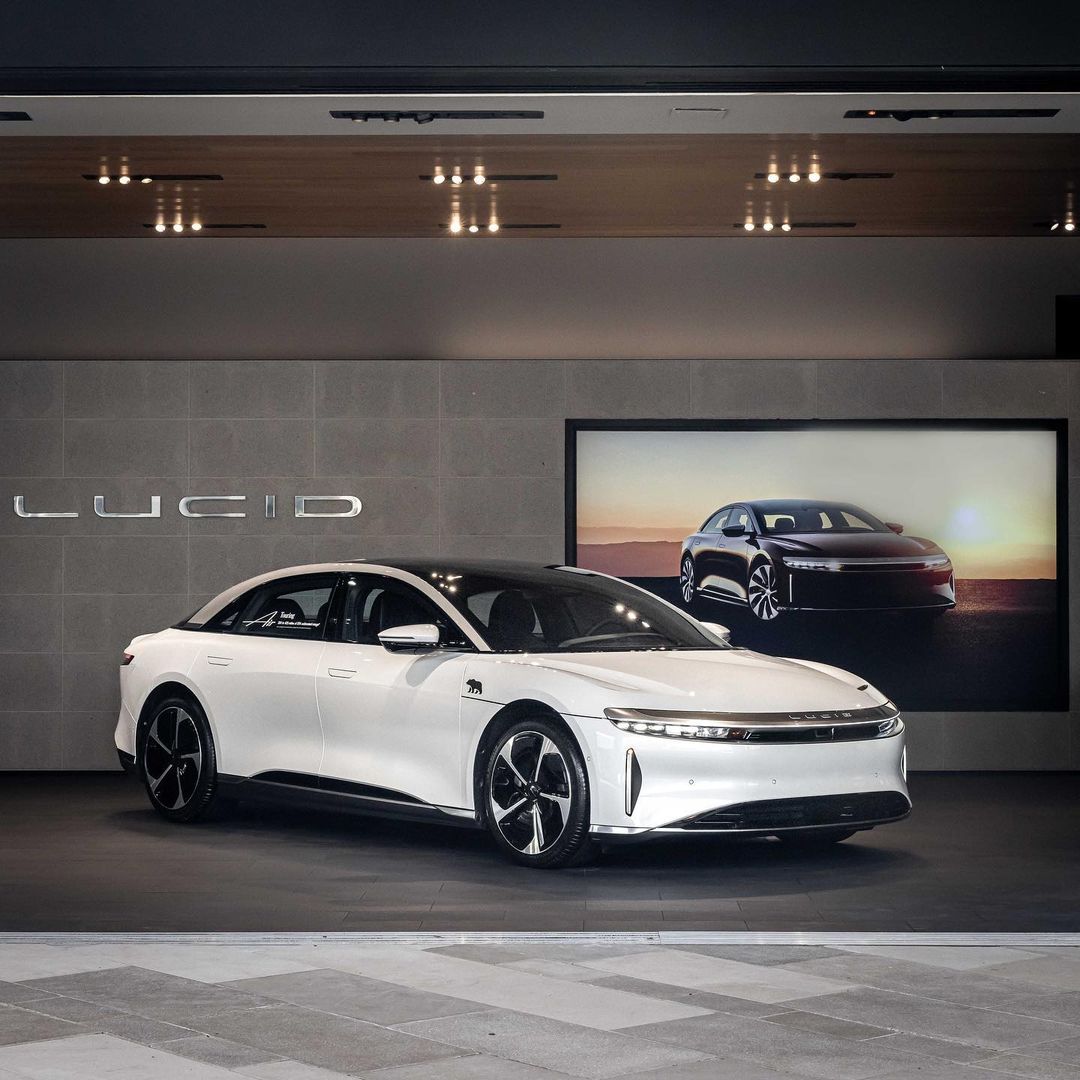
(341, 672)
(219, 661)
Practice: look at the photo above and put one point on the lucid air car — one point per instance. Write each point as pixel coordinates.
(556, 707)
(777, 555)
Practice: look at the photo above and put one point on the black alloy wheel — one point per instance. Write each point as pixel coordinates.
(177, 760)
(537, 796)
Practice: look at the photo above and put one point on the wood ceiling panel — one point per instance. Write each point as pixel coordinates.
(943, 185)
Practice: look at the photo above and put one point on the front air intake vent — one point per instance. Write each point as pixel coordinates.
(427, 116)
(903, 115)
(14, 117)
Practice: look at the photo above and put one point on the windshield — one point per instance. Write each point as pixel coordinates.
(548, 610)
(815, 517)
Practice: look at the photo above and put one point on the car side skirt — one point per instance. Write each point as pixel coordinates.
(326, 793)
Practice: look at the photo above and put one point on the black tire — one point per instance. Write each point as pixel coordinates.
(536, 785)
(815, 841)
(177, 761)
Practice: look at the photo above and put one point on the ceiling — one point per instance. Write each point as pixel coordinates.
(679, 185)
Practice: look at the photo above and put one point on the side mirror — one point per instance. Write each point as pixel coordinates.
(721, 632)
(734, 530)
(414, 636)
(895, 526)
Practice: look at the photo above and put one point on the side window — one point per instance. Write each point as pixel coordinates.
(717, 521)
(290, 608)
(375, 603)
(740, 516)
(228, 617)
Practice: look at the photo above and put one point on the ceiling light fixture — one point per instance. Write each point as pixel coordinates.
(768, 225)
(146, 180)
(438, 177)
(455, 223)
(474, 228)
(493, 226)
(178, 227)
(457, 178)
(124, 179)
(1070, 226)
(794, 177)
(786, 226)
(749, 226)
(478, 176)
(196, 226)
(773, 175)
(104, 179)
(159, 227)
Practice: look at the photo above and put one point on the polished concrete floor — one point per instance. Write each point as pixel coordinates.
(536, 1011)
(84, 852)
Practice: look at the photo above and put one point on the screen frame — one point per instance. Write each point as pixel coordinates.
(1059, 426)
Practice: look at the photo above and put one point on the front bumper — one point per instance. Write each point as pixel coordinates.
(685, 786)
(867, 590)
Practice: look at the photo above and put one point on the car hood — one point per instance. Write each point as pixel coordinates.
(730, 680)
(855, 545)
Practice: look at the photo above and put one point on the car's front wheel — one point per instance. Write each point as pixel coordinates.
(761, 592)
(177, 760)
(537, 795)
(687, 580)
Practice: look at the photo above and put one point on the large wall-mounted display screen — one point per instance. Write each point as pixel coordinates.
(927, 557)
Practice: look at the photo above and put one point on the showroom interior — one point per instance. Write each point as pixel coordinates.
(763, 326)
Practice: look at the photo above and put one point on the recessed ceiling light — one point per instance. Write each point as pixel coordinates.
(773, 176)
(178, 227)
(457, 178)
(196, 226)
(124, 179)
(493, 226)
(438, 178)
(749, 226)
(794, 177)
(814, 177)
(104, 179)
(1070, 226)
(474, 228)
(479, 178)
(159, 227)
(786, 226)
(768, 226)
(146, 180)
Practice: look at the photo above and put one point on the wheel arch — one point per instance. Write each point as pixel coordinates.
(510, 714)
(166, 689)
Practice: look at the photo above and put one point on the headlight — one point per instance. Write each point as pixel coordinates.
(885, 562)
(812, 564)
(876, 722)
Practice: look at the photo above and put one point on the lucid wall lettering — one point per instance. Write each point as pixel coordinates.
(186, 506)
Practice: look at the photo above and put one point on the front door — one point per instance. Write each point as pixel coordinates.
(391, 718)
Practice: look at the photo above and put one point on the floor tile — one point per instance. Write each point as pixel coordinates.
(994, 1030)
(711, 1069)
(555, 969)
(208, 963)
(960, 987)
(287, 1070)
(955, 957)
(149, 993)
(551, 1044)
(105, 1020)
(1025, 1065)
(19, 1025)
(346, 994)
(500, 987)
(780, 1048)
(1064, 1006)
(766, 955)
(332, 1042)
(13, 993)
(102, 1057)
(216, 1051)
(959, 1053)
(23, 962)
(1049, 971)
(827, 1025)
(471, 1067)
(703, 999)
(721, 976)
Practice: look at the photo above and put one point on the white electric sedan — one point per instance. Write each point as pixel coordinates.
(559, 708)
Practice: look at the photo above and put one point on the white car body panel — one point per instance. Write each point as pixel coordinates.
(411, 722)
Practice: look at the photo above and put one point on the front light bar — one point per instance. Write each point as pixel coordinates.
(878, 722)
(886, 562)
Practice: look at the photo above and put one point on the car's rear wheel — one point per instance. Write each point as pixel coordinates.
(761, 592)
(177, 760)
(537, 796)
(810, 841)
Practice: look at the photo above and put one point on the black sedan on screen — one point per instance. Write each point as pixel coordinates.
(777, 555)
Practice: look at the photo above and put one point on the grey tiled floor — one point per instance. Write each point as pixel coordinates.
(535, 1010)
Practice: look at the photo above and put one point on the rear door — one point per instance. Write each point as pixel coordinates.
(258, 678)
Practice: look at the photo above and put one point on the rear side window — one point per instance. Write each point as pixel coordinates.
(290, 608)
